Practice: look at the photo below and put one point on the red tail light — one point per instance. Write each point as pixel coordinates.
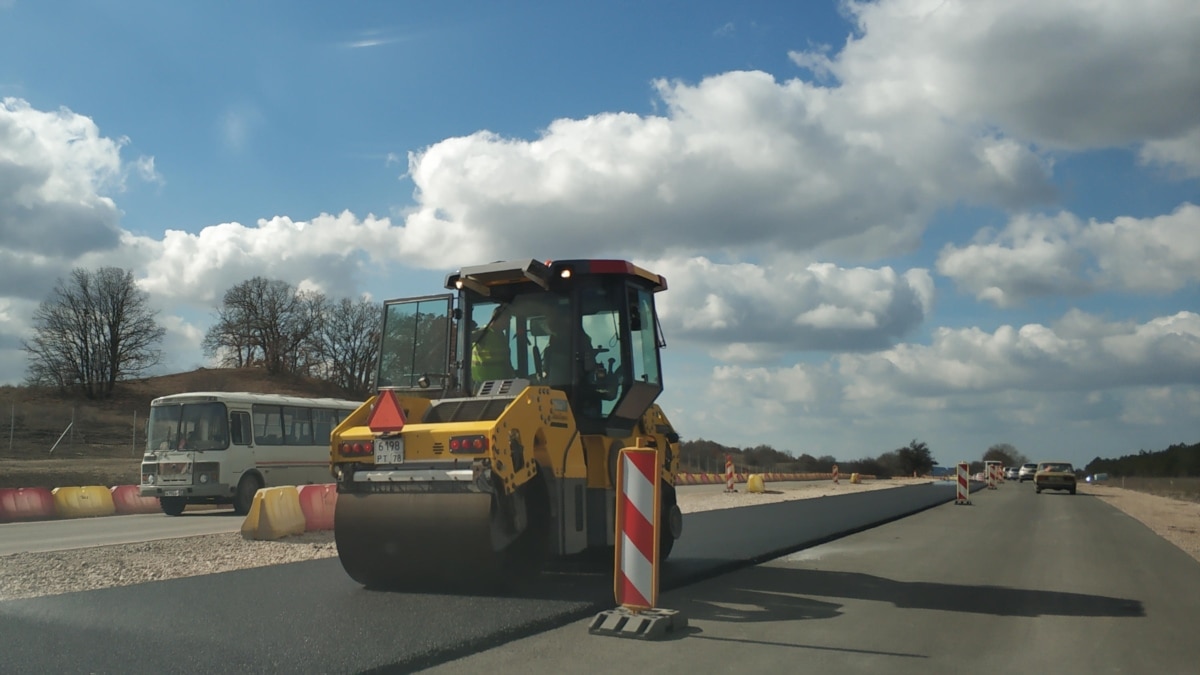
(472, 444)
(356, 448)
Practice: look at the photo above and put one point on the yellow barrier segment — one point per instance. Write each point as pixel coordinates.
(755, 483)
(83, 502)
(855, 478)
(274, 514)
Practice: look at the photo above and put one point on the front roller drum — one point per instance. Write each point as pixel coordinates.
(417, 541)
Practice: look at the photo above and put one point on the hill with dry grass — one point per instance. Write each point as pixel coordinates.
(106, 428)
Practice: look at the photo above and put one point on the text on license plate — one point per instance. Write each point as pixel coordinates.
(389, 450)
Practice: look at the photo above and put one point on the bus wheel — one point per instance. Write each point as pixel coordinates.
(172, 506)
(247, 486)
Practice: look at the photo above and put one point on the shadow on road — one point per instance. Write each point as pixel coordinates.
(766, 593)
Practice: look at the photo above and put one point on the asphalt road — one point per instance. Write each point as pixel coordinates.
(60, 535)
(310, 617)
(1015, 583)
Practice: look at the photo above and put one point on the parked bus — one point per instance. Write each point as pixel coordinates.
(221, 447)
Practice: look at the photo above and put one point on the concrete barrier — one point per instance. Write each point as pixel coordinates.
(127, 500)
(684, 478)
(20, 504)
(318, 502)
(274, 514)
(754, 483)
(83, 502)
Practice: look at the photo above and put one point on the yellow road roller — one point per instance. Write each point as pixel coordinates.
(491, 445)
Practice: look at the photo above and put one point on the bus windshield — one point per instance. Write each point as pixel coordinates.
(188, 426)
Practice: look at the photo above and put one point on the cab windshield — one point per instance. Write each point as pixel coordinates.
(188, 426)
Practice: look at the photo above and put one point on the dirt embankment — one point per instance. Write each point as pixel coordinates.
(68, 471)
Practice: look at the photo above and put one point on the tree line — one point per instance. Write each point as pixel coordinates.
(96, 328)
(709, 456)
(1177, 461)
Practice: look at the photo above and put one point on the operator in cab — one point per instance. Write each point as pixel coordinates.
(559, 362)
(557, 359)
(490, 355)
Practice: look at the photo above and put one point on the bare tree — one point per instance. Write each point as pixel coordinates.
(1006, 454)
(267, 321)
(349, 339)
(93, 331)
(230, 342)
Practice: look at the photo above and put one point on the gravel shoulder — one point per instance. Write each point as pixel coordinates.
(1175, 520)
(27, 575)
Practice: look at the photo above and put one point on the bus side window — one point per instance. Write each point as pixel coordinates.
(297, 426)
(268, 425)
(240, 430)
(324, 420)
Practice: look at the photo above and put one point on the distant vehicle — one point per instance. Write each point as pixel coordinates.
(1026, 472)
(1054, 476)
(1012, 473)
(221, 447)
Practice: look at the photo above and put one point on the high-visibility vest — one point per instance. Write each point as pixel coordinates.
(490, 358)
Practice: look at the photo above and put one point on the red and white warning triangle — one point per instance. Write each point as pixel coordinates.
(387, 417)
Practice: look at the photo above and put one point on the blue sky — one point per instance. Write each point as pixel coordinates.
(963, 222)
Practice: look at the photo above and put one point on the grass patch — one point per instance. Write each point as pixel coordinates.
(1187, 489)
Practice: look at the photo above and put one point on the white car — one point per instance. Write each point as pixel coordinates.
(1026, 473)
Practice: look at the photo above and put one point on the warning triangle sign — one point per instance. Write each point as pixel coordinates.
(386, 417)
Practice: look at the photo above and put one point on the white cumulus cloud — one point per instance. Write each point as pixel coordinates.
(747, 312)
(1037, 256)
(739, 161)
(1086, 354)
(1070, 73)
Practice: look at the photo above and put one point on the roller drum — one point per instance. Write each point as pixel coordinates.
(417, 541)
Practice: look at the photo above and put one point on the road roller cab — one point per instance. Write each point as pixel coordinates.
(492, 443)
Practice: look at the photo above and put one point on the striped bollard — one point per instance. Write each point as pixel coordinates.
(835, 474)
(635, 578)
(729, 475)
(991, 475)
(637, 528)
(964, 486)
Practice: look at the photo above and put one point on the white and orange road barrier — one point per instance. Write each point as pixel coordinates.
(17, 504)
(637, 526)
(730, 476)
(638, 523)
(990, 470)
(964, 485)
(835, 474)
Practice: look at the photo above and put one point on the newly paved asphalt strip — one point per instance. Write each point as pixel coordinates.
(1015, 583)
(310, 617)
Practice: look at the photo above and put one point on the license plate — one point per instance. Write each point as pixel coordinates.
(389, 450)
(173, 493)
